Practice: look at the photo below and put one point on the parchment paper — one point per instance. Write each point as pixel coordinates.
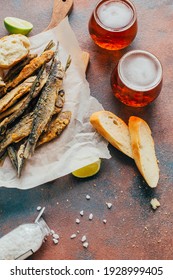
(79, 144)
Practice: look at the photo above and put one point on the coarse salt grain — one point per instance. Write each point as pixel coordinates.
(83, 239)
(39, 208)
(109, 205)
(55, 236)
(81, 213)
(88, 197)
(85, 244)
(104, 221)
(73, 236)
(52, 232)
(77, 221)
(90, 216)
(55, 241)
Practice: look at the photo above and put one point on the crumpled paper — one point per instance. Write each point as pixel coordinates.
(79, 144)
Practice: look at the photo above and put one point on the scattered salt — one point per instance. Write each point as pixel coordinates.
(73, 236)
(88, 197)
(55, 241)
(77, 221)
(85, 244)
(83, 239)
(104, 221)
(109, 205)
(52, 232)
(39, 208)
(81, 213)
(55, 236)
(90, 216)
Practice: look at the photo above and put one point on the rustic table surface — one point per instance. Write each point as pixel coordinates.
(133, 230)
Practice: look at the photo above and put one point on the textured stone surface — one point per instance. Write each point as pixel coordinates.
(133, 230)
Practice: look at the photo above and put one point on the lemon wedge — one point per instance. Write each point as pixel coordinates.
(88, 170)
(17, 26)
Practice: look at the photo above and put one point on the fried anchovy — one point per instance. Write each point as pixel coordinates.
(12, 109)
(20, 158)
(30, 68)
(17, 133)
(34, 91)
(45, 105)
(15, 70)
(12, 153)
(55, 128)
(2, 158)
(11, 97)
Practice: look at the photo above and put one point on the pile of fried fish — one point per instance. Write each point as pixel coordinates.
(31, 103)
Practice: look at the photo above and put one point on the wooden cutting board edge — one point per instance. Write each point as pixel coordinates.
(62, 8)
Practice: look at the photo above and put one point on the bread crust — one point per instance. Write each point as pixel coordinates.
(8, 42)
(134, 128)
(95, 120)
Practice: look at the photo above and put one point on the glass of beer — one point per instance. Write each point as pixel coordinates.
(137, 78)
(113, 24)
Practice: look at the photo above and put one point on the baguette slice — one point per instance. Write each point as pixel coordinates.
(144, 150)
(113, 129)
(13, 48)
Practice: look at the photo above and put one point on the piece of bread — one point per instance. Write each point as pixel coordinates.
(13, 48)
(144, 150)
(113, 129)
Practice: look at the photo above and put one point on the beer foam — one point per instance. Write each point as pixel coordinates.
(115, 14)
(140, 70)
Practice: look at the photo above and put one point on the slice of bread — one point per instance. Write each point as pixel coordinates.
(113, 129)
(13, 48)
(144, 150)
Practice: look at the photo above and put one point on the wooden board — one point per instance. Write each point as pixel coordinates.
(61, 8)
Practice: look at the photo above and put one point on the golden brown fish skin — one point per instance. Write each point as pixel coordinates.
(55, 128)
(39, 84)
(12, 153)
(12, 109)
(15, 70)
(45, 106)
(11, 97)
(18, 132)
(30, 68)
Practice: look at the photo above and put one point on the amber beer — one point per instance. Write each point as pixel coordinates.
(113, 24)
(137, 79)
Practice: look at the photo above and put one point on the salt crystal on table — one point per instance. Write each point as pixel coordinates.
(77, 221)
(90, 216)
(55, 236)
(109, 205)
(81, 213)
(73, 236)
(83, 239)
(85, 244)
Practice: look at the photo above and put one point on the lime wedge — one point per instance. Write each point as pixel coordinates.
(88, 170)
(17, 25)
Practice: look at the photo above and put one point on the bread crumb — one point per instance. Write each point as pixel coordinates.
(154, 203)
